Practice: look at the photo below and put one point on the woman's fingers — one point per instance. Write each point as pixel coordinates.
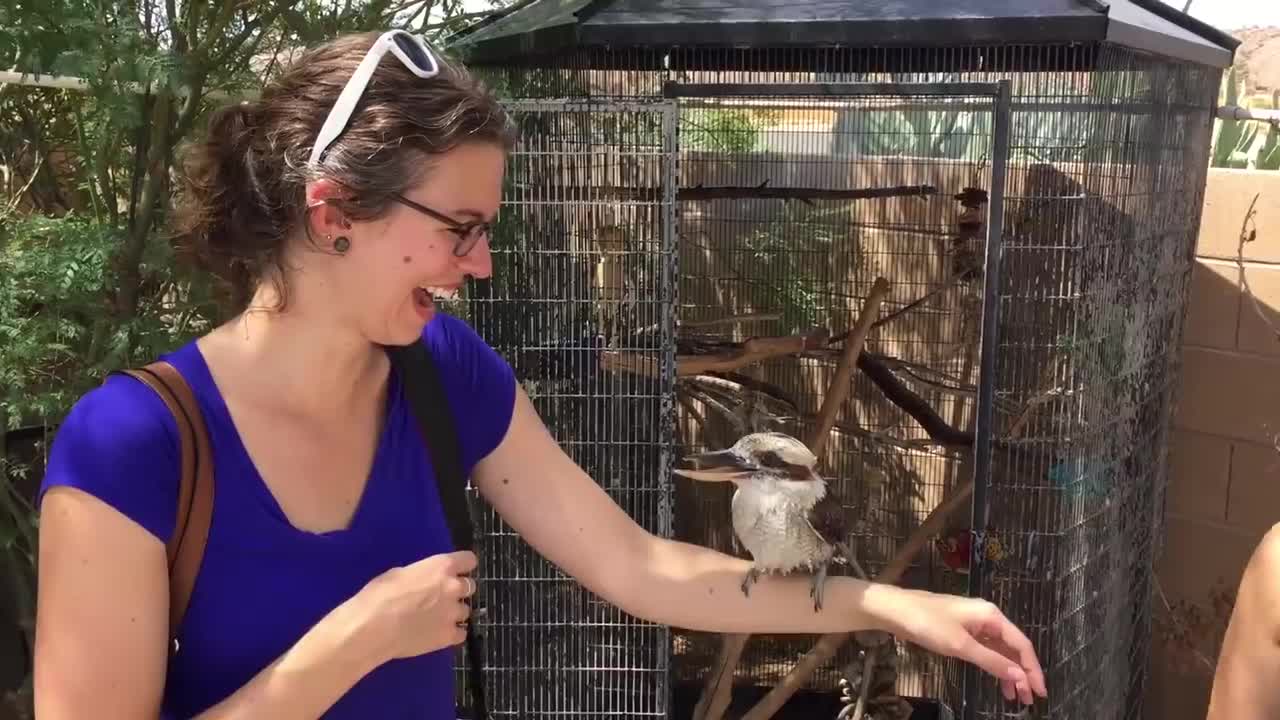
(1000, 666)
(978, 632)
(1014, 644)
(462, 587)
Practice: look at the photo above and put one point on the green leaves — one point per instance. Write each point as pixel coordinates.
(53, 278)
(88, 283)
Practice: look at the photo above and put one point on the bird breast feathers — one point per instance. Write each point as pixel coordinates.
(772, 515)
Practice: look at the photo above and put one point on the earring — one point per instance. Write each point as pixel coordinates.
(342, 244)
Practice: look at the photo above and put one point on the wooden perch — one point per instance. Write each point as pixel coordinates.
(731, 320)
(828, 645)
(852, 356)
(953, 281)
(750, 352)
(717, 691)
(759, 349)
(764, 192)
(914, 405)
(729, 192)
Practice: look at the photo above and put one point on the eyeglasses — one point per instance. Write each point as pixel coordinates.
(415, 54)
(468, 233)
(410, 49)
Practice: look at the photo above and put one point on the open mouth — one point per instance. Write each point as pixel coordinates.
(426, 294)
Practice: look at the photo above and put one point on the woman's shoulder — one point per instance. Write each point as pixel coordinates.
(459, 350)
(479, 383)
(1262, 577)
(450, 333)
(119, 443)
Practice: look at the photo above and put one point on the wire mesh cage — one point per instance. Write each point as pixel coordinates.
(570, 261)
(672, 210)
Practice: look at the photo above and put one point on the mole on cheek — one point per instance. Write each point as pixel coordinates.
(407, 259)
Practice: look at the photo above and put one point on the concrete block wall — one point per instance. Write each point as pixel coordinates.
(1225, 462)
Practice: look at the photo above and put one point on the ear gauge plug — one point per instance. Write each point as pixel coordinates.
(342, 244)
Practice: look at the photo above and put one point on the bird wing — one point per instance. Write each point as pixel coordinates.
(829, 520)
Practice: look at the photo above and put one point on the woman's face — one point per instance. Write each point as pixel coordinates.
(386, 282)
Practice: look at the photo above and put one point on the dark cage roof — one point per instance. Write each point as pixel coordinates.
(538, 31)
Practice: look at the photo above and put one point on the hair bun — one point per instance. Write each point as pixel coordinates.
(224, 223)
(243, 185)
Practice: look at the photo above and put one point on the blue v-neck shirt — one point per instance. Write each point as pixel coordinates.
(263, 582)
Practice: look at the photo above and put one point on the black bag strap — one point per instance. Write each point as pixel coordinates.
(425, 393)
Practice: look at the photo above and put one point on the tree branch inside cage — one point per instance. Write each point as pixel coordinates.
(614, 193)
(877, 369)
(719, 683)
(730, 357)
(828, 645)
(710, 372)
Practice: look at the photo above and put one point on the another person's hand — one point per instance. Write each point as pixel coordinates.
(421, 607)
(976, 631)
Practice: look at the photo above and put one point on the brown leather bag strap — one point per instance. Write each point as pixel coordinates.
(195, 491)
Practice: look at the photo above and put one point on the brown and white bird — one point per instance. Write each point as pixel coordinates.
(783, 512)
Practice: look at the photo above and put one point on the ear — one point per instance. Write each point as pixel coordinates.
(326, 218)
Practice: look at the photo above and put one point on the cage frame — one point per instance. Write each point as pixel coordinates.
(580, 46)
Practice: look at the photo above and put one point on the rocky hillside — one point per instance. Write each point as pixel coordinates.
(1258, 57)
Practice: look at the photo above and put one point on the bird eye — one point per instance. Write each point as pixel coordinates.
(799, 472)
(770, 459)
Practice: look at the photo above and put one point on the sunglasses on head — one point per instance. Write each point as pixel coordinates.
(411, 50)
(414, 53)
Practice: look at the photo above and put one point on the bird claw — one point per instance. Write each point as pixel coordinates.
(749, 580)
(816, 587)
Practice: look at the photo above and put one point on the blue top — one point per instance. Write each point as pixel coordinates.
(264, 582)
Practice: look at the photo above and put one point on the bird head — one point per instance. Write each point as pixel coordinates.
(769, 453)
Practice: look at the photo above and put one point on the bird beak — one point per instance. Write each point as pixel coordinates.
(717, 466)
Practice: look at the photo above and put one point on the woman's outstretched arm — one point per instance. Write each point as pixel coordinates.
(560, 511)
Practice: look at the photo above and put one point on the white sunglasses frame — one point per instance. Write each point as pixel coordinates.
(343, 108)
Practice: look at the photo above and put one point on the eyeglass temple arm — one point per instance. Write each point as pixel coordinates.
(343, 107)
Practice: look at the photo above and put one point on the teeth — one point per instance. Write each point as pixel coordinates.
(442, 293)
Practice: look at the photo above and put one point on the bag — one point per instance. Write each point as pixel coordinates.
(185, 548)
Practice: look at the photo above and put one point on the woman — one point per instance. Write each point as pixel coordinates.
(1249, 662)
(328, 585)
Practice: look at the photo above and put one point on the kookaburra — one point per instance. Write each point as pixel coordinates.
(783, 512)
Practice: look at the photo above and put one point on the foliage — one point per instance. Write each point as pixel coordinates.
(88, 281)
(784, 268)
(55, 339)
(1190, 634)
(1245, 143)
(719, 130)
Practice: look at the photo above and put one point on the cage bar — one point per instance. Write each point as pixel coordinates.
(1048, 370)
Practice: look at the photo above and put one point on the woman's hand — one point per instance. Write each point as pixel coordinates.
(419, 608)
(973, 630)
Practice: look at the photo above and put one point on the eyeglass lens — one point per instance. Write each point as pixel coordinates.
(468, 239)
(414, 51)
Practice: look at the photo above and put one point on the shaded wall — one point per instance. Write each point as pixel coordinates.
(1224, 467)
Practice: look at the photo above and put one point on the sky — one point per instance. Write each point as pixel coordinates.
(1233, 14)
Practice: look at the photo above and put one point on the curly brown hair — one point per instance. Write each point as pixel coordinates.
(242, 190)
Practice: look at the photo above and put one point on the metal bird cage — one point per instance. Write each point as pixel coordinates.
(700, 184)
